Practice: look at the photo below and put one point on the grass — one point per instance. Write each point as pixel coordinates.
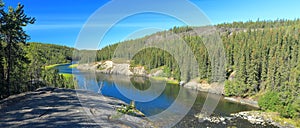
(73, 66)
(53, 65)
(67, 76)
(130, 110)
(169, 81)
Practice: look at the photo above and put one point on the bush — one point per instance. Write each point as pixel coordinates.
(231, 88)
(270, 101)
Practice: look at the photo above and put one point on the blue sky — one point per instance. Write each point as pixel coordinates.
(60, 21)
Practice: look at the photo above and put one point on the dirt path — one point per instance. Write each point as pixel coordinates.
(52, 107)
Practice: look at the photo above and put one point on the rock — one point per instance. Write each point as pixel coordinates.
(213, 119)
(214, 88)
(109, 67)
(256, 117)
(65, 108)
(222, 119)
(181, 83)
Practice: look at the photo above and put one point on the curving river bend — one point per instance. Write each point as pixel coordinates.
(110, 85)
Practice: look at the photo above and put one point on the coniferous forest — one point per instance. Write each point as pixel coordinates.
(263, 60)
(22, 65)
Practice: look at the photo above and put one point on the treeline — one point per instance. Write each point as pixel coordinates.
(22, 66)
(266, 61)
(49, 54)
(261, 24)
(262, 61)
(41, 55)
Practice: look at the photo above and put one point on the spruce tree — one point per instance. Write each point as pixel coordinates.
(12, 33)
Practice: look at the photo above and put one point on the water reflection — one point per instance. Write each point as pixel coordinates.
(162, 98)
(113, 85)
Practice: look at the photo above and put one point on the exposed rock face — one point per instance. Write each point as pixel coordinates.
(88, 67)
(212, 88)
(140, 71)
(119, 69)
(109, 67)
(53, 107)
(156, 73)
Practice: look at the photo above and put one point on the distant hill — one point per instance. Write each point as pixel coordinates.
(49, 54)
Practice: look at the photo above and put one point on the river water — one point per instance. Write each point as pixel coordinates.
(114, 85)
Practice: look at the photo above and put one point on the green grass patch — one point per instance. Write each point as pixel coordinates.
(67, 76)
(68, 80)
(53, 65)
(73, 66)
(169, 81)
(173, 82)
(130, 110)
(158, 78)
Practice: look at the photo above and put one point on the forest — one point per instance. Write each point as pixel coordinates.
(22, 65)
(262, 61)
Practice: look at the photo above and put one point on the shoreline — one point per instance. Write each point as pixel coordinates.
(245, 101)
(109, 67)
(217, 89)
(54, 65)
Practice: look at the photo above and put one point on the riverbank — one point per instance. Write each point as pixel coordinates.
(257, 118)
(219, 89)
(270, 118)
(73, 66)
(109, 67)
(55, 107)
(54, 65)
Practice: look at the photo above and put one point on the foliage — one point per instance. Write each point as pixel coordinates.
(50, 54)
(262, 57)
(22, 65)
(270, 101)
(69, 81)
(12, 38)
(52, 66)
(130, 110)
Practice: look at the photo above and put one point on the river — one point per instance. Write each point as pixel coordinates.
(113, 86)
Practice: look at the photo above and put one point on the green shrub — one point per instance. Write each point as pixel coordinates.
(231, 88)
(270, 101)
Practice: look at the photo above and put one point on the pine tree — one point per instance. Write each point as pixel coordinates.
(12, 33)
(2, 88)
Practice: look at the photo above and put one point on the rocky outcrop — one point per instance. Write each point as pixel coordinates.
(55, 107)
(109, 67)
(257, 118)
(88, 67)
(213, 119)
(212, 88)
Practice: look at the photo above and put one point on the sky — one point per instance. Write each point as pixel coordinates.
(61, 21)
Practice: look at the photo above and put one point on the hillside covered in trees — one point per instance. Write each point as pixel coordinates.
(263, 61)
(22, 65)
